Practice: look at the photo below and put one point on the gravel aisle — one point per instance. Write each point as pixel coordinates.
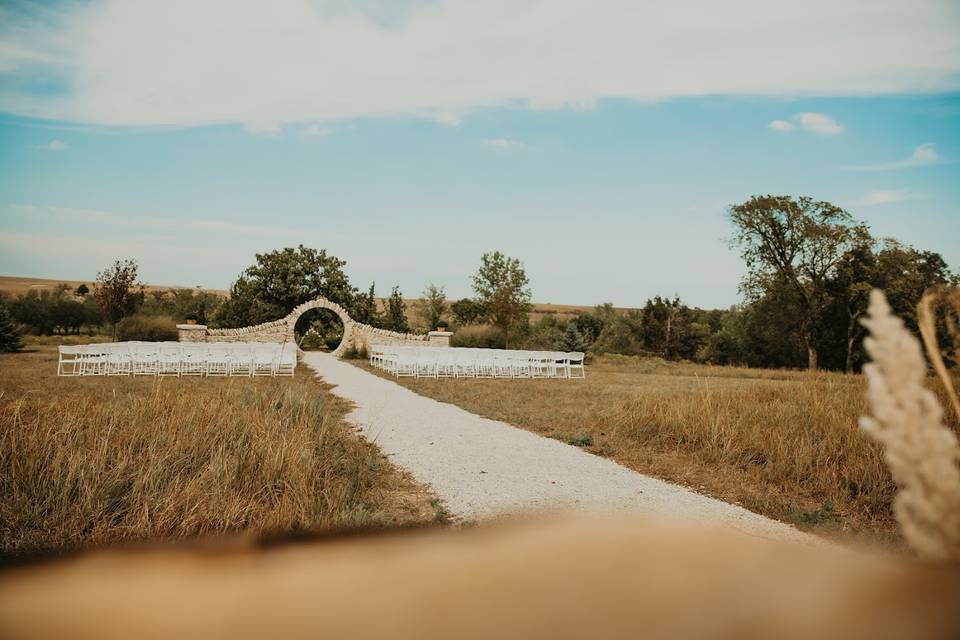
(483, 467)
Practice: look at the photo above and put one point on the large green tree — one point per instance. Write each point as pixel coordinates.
(902, 272)
(798, 242)
(280, 280)
(503, 290)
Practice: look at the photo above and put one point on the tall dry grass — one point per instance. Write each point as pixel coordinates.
(782, 443)
(906, 418)
(93, 461)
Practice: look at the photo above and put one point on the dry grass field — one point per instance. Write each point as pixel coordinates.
(781, 443)
(86, 462)
(15, 285)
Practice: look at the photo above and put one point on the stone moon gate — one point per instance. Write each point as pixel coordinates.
(355, 334)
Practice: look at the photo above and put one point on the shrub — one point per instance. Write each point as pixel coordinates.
(583, 440)
(147, 328)
(311, 340)
(478, 336)
(353, 353)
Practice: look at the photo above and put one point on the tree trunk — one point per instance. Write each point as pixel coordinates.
(811, 356)
(851, 334)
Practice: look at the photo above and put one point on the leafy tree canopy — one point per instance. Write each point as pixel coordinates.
(118, 292)
(797, 242)
(503, 290)
(281, 280)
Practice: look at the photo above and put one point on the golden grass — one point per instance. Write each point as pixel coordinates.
(15, 285)
(92, 461)
(781, 443)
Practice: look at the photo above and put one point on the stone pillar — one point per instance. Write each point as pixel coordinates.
(192, 332)
(439, 338)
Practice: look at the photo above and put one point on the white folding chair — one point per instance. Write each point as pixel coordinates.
(287, 362)
(218, 359)
(145, 358)
(169, 359)
(93, 360)
(118, 359)
(193, 359)
(70, 362)
(240, 359)
(263, 361)
(575, 362)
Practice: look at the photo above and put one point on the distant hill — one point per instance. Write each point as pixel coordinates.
(15, 285)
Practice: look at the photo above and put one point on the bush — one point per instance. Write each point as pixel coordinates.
(481, 336)
(311, 341)
(147, 328)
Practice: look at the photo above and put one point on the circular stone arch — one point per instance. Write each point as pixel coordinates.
(323, 303)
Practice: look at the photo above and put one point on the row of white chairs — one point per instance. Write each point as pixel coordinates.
(454, 362)
(178, 359)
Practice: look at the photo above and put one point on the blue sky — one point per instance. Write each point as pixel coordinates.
(609, 178)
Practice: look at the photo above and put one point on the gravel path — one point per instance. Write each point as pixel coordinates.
(483, 468)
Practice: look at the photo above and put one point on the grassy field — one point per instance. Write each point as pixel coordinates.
(15, 285)
(86, 462)
(781, 443)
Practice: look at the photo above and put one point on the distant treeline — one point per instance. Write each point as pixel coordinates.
(810, 269)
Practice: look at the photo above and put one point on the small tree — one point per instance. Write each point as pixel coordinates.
(396, 318)
(502, 289)
(433, 306)
(9, 334)
(573, 340)
(365, 307)
(83, 290)
(669, 330)
(466, 311)
(118, 293)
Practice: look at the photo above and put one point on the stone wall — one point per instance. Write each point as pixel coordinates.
(355, 334)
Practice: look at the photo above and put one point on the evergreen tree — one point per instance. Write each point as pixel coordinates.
(573, 340)
(396, 318)
(9, 335)
(365, 308)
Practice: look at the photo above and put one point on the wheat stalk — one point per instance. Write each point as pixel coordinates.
(907, 420)
(928, 331)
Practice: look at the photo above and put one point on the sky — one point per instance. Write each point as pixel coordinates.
(600, 143)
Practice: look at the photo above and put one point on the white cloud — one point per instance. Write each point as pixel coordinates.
(781, 125)
(819, 123)
(54, 145)
(447, 118)
(139, 62)
(504, 143)
(888, 196)
(924, 155)
(315, 131)
(263, 127)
